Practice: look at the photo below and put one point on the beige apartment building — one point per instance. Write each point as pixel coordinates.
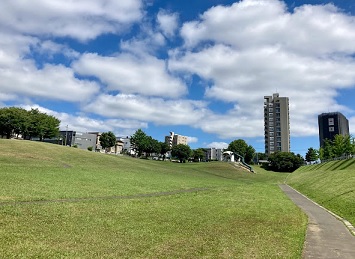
(276, 124)
(175, 139)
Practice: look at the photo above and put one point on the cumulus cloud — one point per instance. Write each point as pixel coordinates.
(222, 145)
(168, 22)
(80, 19)
(84, 123)
(306, 55)
(51, 82)
(192, 140)
(130, 74)
(156, 110)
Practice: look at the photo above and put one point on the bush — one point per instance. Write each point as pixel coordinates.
(90, 148)
(285, 161)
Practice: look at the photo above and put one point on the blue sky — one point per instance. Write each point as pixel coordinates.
(198, 68)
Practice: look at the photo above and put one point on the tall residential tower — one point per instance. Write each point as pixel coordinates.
(331, 124)
(276, 124)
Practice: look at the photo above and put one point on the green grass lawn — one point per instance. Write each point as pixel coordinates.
(63, 202)
(330, 184)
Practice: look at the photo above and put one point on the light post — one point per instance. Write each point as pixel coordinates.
(66, 135)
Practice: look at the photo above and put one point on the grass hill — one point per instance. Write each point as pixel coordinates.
(330, 184)
(58, 201)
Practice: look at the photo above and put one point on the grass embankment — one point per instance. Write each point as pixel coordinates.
(330, 184)
(231, 214)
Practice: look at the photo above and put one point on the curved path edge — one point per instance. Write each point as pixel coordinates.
(327, 235)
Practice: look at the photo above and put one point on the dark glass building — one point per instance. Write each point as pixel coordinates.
(331, 124)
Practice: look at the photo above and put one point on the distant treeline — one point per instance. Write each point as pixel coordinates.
(15, 121)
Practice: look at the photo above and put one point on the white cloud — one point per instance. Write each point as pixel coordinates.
(255, 48)
(156, 110)
(82, 123)
(168, 22)
(50, 82)
(310, 29)
(80, 19)
(130, 74)
(192, 140)
(221, 145)
(49, 48)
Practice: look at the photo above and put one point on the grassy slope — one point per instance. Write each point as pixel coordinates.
(240, 215)
(330, 184)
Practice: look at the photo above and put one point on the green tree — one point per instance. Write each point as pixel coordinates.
(311, 155)
(199, 154)
(327, 150)
(164, 148)
(285, 161)
(181, 152)
(151, 146)
(107, 139)
(12, 121)
(31, 123)
(139, 141)
(243, 149)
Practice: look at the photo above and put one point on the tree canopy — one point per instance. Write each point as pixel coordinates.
(339, 146)
(311, 155)
(285, 161)
(240, 147)
(29, 124)
(198, 154)
(181, 152)
(107, 139)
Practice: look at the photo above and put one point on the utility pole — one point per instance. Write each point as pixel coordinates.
(66, 135)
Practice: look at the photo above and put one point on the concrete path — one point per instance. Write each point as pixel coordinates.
(327, 237)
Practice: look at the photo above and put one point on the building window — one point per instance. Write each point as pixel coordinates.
(270, 110)
(271, 119)
(271, 128)
(330, 122)
(271, 138)
(271, 123)
(271, 134)
(331, 129)
(272, 143)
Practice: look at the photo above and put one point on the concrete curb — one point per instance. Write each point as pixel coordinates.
(348, 225)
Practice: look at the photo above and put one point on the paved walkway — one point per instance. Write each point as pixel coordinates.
(327, 237)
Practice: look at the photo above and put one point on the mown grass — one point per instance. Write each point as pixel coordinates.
(330, 184)
(231, 214)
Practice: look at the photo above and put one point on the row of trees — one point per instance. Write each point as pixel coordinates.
(16, 121)
(339, 147)
(142, 143)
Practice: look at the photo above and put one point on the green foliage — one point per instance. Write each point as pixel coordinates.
(181, 152)
(243, 149)
(285, 161)
(90, 148)
(33, 123)
(198, 154)
(312, 155)
(139, 141)
(75, 146)
(164, 148)
(260, 156)
(151, 146)
(107, 139)
(340, 146)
